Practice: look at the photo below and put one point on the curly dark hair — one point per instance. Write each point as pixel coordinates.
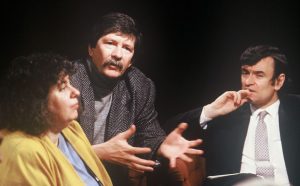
(26, 89)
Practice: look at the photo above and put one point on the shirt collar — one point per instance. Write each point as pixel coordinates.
(272, 110)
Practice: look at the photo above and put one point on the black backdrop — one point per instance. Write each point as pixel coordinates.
(190, 48)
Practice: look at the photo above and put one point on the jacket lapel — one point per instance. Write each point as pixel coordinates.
(240, 129)
(119, 117)
(87, 103)
(289, 140)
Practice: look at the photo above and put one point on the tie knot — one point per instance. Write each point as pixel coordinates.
(262, 114)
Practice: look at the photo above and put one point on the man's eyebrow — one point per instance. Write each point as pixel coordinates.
(258, 72)
(254, 71)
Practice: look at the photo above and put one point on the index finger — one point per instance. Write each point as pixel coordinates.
(244, 93)
(140, 150)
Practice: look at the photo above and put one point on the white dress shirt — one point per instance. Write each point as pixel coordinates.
(248, 164)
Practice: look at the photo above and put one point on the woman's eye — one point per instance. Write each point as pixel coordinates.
(62, 86)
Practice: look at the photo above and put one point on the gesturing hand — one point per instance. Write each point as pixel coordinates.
(118, 150)
(175, 146)
(226, 103)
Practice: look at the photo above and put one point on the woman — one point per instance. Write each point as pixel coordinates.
(42, 144)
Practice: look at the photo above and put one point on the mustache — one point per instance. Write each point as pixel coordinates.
(115, 63)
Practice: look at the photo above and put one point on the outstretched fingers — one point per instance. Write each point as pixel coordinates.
(194, 151)
(181, 128)
(172, 162)
(140, 168)
(185, 158)
(128, 133)
(139, 150)
(194, 143)
(141, 164)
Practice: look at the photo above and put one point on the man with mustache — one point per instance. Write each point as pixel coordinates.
(117, 109)
(230, 122)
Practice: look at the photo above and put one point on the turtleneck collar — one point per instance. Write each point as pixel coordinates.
(102, 85)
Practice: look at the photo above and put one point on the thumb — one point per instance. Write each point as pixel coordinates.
(181, 128)
(244, 101)
(129, 132)
(172, 162)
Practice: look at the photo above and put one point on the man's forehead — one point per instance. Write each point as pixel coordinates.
(264, 63)
(129, 37)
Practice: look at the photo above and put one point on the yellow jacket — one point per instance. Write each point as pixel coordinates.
(30, 160)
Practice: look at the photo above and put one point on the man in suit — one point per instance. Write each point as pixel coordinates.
(229, 123)
(117, 109)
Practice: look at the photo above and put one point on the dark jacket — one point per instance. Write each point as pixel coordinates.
(132, 103)
(225, 136)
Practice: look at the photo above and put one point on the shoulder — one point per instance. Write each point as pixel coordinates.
(18, 145)
(80, 67)
(80, 76)
(138, 80)
(79, 63)
(136, 75)
(75, 127)
(291, 97)
(74, 133)
(290, 102)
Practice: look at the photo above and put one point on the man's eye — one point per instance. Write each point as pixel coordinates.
(260, 75)
(128, 49)
(109, 42)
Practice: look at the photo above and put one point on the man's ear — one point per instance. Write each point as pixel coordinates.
(279, 82)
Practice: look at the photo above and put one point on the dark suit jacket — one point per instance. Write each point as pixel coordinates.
(132, 103)
(224, 138)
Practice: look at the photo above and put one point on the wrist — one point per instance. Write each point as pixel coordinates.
(208, 112)
(100, 150)
(158, 152)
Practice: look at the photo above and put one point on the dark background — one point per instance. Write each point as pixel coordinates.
(190, 48)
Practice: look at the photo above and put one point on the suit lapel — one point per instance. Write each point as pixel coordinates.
(226, 137)
(119, 117)
(240, 129)
(289, 140)
(87, 102)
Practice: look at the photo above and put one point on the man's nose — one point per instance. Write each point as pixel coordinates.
(117, 53)
(249, 79)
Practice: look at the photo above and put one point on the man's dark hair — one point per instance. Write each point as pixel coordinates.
(112, 23)
(254, 54)
(26, 90)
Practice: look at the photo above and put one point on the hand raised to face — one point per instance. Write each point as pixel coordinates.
(226, 103)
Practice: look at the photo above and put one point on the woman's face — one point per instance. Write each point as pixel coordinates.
(62, 104)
